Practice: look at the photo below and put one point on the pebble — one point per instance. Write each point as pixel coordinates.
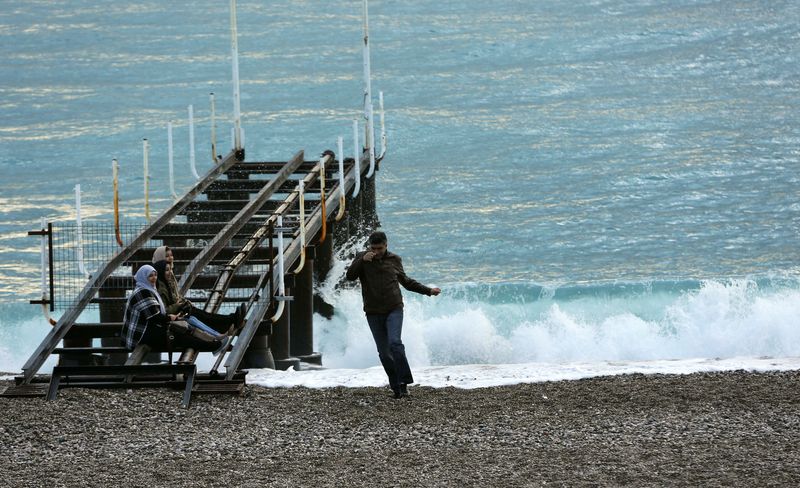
(709, 429)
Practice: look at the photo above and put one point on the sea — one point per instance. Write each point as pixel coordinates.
(598, 186)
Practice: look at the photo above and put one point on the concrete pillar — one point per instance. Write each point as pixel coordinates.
(369, 209)
(322, 265)
(355, 213)
(301, 332)
(279, 342)
(259, 354)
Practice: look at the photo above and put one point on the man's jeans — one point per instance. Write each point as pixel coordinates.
(386, 330)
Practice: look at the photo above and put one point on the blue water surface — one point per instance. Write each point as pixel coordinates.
(542, 144)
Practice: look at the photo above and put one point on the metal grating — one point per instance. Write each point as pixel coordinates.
(96, 245)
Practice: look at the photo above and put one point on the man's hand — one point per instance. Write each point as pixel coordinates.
(368, 256)
(435, 291)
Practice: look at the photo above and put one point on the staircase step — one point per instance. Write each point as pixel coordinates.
(186, 254)
(91, 331)
(23, 390)
(227, 387)
(90, 350)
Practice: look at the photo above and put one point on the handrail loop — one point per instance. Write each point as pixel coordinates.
(214, 156)
(324, 231)
(171, 162)
(302, 204)
(191, 144)
(146, 157)
(356, 158)
(115, 177)
(342, 199)
(79, 232)
(383, 128)
(281, 284)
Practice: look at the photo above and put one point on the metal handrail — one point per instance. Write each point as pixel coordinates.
(79, 232)
(324, 233)
(292, 252)
(195, 267)
(302, 208)
(342, 199)
(115, 178)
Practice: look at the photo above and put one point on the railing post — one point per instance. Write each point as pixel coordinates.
(383, 127)
(369, 139)
(79, 232)
(191, 143)
(46, 257)
(171, 162)
(235, 68)
(146, 157)
(214, 155)
(357, 159)
(115, 177)
(342, 202)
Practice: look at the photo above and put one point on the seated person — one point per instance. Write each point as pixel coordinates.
(146, 320)
(210, 322)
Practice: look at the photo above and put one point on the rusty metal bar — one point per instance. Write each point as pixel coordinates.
(221, 239)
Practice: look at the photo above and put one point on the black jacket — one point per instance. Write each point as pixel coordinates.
(379, 282)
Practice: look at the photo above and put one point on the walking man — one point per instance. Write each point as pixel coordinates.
(380, 273)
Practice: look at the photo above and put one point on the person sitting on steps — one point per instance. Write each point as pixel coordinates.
(146, 320)
(217, 325)
(175, 302)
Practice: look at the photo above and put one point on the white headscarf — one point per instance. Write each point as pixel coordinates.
(160, 254)
(143, 283)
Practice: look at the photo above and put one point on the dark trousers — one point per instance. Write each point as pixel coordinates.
(218, 322)
(386, 330)
(156, 336)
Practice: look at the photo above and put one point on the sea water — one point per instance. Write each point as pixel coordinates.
(599, 186)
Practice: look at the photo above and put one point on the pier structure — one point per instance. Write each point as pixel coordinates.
(266, 228)
(255, 235)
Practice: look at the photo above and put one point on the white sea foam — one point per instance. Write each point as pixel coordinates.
(459, 340)
(719, 320)
(485, 375)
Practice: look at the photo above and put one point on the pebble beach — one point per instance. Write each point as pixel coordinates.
(703, 429)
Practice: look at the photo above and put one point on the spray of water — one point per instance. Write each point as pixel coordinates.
(713, 320)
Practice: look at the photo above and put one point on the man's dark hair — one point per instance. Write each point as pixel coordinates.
(377, 237)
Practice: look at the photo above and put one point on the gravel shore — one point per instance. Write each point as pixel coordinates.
(720, 429)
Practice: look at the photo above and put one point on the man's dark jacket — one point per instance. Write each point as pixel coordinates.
(379, 282)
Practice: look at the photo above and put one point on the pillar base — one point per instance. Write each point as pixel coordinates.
(257, 359)
(286, 363)
(313, 358)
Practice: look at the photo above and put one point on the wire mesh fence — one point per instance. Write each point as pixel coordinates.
(77, 253)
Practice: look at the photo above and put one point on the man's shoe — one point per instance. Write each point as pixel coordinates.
(403, 391)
